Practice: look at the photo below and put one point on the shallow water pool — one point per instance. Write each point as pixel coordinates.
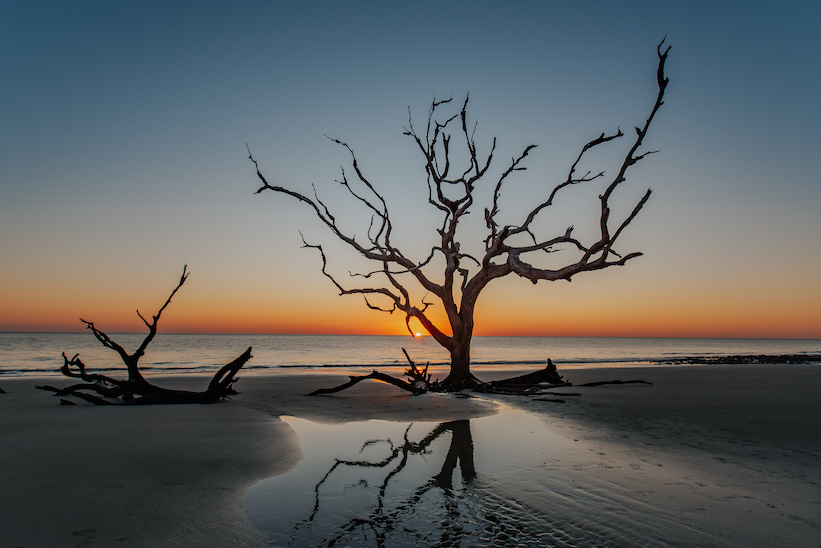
(502, 480)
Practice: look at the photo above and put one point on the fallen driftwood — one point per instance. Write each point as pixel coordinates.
(529, 384)
(375, 375)
(601, 383)
(136, 390)
(536, 381)
(419, 382)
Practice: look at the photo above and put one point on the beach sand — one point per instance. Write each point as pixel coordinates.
(706, 456)
(709, 456)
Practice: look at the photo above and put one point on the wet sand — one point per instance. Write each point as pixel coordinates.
(706, 456)
(713, 456)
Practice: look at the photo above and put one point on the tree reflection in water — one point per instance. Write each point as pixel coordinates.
(392, 491)
(385, 522)
(527, 486)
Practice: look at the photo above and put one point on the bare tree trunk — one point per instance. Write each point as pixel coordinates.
(510, 246)
(460, 376)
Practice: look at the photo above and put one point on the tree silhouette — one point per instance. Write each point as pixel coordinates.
(136, 389)
(449, 273)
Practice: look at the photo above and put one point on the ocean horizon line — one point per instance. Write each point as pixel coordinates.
(423, 336)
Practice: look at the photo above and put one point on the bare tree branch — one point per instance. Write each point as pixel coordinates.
(454, 169)
(136, 389)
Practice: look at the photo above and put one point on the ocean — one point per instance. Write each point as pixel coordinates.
(38, 354)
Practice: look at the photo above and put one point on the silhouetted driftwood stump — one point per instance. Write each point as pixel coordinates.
(136, 390)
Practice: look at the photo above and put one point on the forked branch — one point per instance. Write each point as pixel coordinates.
(455, 167)
(136, 389)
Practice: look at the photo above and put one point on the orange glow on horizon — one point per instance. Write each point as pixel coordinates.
(624, 308)
(642, 322)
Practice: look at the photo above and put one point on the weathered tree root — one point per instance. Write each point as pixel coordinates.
(375, 375)
(529, 384)
(419, 380)
(136, 390)
(141, 392)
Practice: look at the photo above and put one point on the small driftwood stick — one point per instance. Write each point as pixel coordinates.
(600, 383)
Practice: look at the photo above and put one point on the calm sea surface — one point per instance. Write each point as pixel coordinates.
(40, 353)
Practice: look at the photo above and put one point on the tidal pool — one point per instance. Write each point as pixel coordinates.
(502, 480)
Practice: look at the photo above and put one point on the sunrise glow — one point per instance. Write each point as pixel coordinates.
(109, 189)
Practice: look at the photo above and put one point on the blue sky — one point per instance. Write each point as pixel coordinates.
(122, 153)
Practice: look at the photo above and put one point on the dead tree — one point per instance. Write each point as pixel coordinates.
(136, 390)
(508, 248)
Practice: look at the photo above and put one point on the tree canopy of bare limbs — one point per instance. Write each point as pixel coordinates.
(136, 389)
(452, 185)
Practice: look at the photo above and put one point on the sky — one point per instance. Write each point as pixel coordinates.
(123, 131)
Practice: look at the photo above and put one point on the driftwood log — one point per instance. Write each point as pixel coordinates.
(136, 390)
(548, 377)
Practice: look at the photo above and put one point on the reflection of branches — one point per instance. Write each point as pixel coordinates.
(381, 523)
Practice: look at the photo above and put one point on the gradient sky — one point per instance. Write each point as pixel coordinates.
(122, 156)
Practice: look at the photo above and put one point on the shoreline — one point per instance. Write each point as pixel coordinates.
(175, 475)
(39, 354)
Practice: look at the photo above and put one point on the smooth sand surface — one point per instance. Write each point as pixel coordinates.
(706, 456)
(171, 475)
(711, 456)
